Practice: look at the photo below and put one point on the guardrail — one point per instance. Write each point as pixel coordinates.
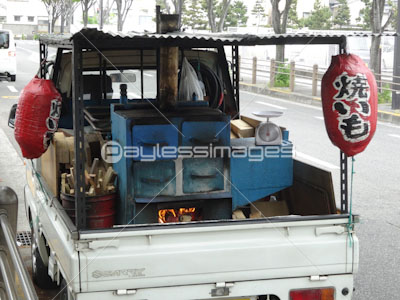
(11, 263)
(265, 71)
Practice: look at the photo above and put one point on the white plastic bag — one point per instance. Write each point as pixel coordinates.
(189, 85)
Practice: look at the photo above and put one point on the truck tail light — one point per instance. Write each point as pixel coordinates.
(12, 53)
(313, 294)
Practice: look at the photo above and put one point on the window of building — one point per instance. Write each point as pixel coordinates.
(31, 18)
(2, 19)
(17, 18)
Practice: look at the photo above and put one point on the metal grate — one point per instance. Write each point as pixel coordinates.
(24, 238)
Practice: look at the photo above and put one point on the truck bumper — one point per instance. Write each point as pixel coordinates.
(237, 290)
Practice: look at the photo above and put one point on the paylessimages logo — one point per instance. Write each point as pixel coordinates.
(113, 152)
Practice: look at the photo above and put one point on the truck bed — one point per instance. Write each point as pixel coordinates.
(210, 252)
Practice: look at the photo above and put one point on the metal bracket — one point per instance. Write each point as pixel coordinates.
(124, 292)
(53, 270)
(330, 229)
(221, 289)
(318, 278)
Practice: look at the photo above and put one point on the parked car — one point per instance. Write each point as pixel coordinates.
(8, 59)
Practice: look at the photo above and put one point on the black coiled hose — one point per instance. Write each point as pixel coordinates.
(212, 83)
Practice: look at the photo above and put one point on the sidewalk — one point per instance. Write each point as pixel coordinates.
(12, 174)
(303, 93)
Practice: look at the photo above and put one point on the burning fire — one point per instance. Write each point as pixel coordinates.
(172, 215)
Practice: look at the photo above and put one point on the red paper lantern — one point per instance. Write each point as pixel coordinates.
(37, 116)
(350, 103)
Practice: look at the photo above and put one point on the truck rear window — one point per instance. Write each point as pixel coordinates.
(4, 40)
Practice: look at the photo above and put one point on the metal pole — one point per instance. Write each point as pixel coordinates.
(343, 183)
(79, 142)
(42, 57)
(315, 80)
(7, 276)
(292, 74)
(343, 163)
(396, 65)
(9, 203)
(101, 15)
(20, 268)
(254, 71)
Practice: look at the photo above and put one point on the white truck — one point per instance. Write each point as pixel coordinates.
(308, 253)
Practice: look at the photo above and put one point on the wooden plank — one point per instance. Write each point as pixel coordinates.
(63, 183)
(233, 135)
(252, 122)
(242, 129)
(50, 169)
(238, 214)
(109, 178)
(95, 166)
(70, 180)
(71, 149)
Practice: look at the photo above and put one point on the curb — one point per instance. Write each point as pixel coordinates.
(384, 116)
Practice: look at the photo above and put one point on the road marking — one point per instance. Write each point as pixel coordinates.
(9, 97)
(283, 101)
(388, 125)
(315, 160)
(272, 105)
(394, 135)
(319, 118)
(12, 89)
(308, 106)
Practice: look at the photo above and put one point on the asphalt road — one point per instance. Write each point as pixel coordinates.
(376, 187)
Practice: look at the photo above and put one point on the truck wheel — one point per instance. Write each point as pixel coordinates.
(63, 295)
(13, 77)
(39, 270)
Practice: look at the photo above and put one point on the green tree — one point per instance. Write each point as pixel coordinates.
(236, 15)
(164, 6)
(54, 10)
(320, 17)
(194, 16)
(217, 13)
(365, 15)
(372, 19)
(293, 20)
(393, 22)
(259, 11)
(342, 16)
(280, 16)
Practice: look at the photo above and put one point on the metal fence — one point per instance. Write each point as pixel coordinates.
(257, 71)
(11, 263)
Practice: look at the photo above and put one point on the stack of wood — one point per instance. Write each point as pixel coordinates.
(243, 127)
(99, 180)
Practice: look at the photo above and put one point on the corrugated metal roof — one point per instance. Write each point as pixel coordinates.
(92, 35)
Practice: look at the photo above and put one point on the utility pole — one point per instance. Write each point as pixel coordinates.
(396, 65)
(101, 16)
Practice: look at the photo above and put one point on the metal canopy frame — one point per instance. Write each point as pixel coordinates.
(93, 39)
